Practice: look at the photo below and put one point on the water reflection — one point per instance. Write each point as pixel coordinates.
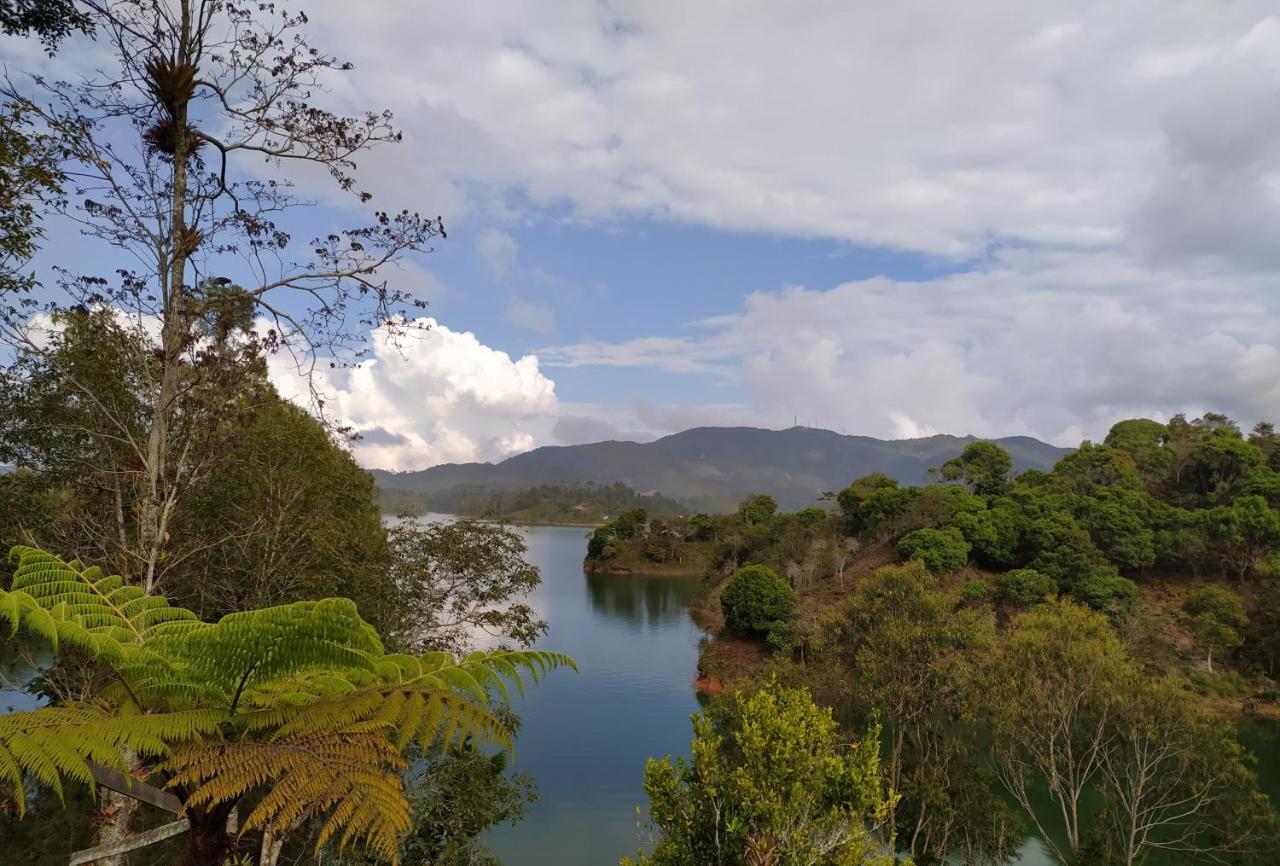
(652, 602)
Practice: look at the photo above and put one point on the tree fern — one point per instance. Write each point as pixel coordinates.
(299, 704)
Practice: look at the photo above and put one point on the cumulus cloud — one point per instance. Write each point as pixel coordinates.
(1057, 347)
(438, 396)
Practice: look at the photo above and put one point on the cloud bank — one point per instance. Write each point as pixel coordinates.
(1106, 174)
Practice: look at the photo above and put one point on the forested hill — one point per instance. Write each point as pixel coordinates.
(714, 468)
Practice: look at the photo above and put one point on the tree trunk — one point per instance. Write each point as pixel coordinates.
(160, 485)
(209, 839)
(116, 826)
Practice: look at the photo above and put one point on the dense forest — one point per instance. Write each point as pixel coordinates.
(1053, 652)
(587, 504)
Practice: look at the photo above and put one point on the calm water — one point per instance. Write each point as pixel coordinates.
(585, 736)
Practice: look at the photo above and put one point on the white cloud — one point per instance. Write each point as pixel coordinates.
(924, 126)
(1057, 347)
(440, 396)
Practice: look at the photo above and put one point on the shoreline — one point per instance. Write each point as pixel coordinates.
(624, 571)
(512, 520)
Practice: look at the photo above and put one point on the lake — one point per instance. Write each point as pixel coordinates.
(585, 736)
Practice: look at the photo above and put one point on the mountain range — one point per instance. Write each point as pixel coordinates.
(713, 468)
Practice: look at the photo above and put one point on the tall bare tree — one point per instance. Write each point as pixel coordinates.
(177, 157)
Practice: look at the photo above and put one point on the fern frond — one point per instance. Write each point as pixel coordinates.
(300, 701)
(65, 603)
(350, 776)
(432, 699)
(54, 744)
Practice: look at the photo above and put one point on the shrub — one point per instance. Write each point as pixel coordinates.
(599, 543)
(975, 590)
(939, 549)
(1105, 590)
(756, 601)
(1024, 587)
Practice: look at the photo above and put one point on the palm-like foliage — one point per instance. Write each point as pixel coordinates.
(298, 708)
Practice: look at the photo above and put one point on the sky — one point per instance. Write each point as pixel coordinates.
(889, 219)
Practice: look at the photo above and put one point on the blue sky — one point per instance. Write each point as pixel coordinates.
(635, 277)
(888, 219)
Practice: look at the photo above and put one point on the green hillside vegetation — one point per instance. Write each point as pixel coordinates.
(1124, 603)
(799, 545)
(586, 504)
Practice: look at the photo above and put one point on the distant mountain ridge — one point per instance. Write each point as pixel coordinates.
(716, 467)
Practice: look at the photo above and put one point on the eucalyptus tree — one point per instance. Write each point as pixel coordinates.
(163, 153)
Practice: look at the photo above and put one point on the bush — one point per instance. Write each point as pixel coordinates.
(939, 549)
(756, 601)
(975, 590)
(1107, 591)
(599, 543)
(1024, 587)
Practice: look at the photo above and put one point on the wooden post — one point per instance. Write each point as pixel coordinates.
(131, 787)
(141, 840)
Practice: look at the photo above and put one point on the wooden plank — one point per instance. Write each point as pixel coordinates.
(133, 843)
(130, 787)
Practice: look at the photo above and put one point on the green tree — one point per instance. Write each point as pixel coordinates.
(456, 581)
(757, 509)
(1143, 440)
(756, 600)
(1091, 466)
(912, 660)
(1059, 680)
(851, 499)
(1216, 616)
(1176, 780)
(630, 524)
(51, 20)
(295, 710)
(1103, 589)
(983, 467)
(1241, 532)
(1218, 458)
(939, 549)
(1024, 587)
(1266, 440)
(1261, 645)
(1120, 523)
(769, 781)
(997, 534)
(285, 516)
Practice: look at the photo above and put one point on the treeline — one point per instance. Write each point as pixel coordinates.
(552, 503)
(1039, 663)
(803, 545)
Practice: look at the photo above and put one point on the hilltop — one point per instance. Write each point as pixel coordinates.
(713, 468)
